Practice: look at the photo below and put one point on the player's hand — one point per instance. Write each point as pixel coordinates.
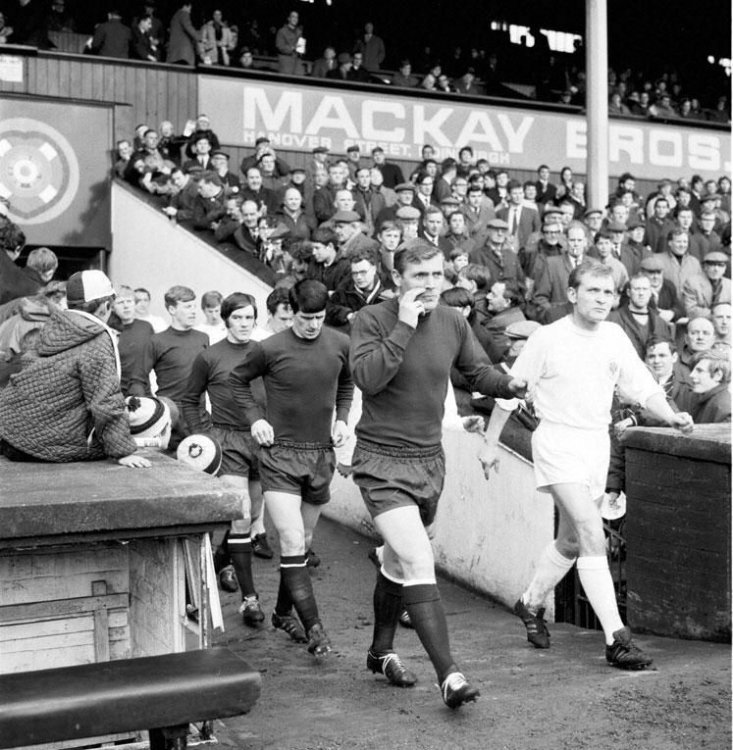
(339, 433)
(134, 462)
(474, 423)
(263, 433)
(489, 458)
(620, 427)
(518, 387)
(411, 308)
(683, 422)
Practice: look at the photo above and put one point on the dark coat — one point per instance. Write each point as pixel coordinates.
(656, 328)
(183, 41)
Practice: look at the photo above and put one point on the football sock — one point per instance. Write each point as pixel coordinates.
(387, 607)
(296, 580)
(598, 586)
(240, 552)
(551, 569)
(423, 604)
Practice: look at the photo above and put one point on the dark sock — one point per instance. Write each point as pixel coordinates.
(221, 554)
(284, 604)
(387, 608)
(426, 612)
(240, 552)
(297, 581)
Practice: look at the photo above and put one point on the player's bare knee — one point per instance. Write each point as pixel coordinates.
(242, 525)
(292, 541)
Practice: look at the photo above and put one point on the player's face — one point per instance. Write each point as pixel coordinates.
(142, 303)
(660, 360)
(184, 314)
(308, 325)
(702, 378)
(426, 275)
(592, 299)
(125, 308)
(240, 325)
(282, 318)
(213, 315)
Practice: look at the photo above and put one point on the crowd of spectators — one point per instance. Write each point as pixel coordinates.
(659, 92)
(510, 245)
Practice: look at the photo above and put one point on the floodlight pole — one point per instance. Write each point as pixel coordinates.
(596, 65)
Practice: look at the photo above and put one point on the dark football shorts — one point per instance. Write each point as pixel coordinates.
(304, 469)
(390, 477)
(238, 452)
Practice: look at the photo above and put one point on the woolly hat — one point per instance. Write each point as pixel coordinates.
(200, 452)
(150, 421)
(85, 286)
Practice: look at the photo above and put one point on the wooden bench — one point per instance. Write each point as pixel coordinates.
(161, 694)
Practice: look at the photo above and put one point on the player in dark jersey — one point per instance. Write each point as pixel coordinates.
(306, 374)
(239, 468)
(402, 351)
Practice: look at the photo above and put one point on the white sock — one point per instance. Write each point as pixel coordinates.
(598, 586)
(551, 569)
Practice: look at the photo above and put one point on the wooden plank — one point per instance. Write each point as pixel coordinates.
(27, 661)
(101, 622)
(56, 609)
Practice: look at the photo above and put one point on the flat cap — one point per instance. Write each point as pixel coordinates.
(551, 210)
(321, 150)
(345, 217)
(449, 200)
(652, 263)
(635, 224)
(351, 148)
(219, 152)
(497, 224)
(592, 211)
(522, 329)
(408, 212)
(615, 226)
(405, 186)
(343, 58)
(262, 139)
(715, 256)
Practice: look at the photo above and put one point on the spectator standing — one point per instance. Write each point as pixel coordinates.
(391, 173)
(371, 47)
(183, 38)
(141, 45)
(521, 219)
(217, 40)
(112, 38)
(289, 43)
(677, 264)
(498, 255)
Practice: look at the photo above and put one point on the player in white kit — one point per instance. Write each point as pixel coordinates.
(572, 367)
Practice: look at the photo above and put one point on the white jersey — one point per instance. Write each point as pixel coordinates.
(571, 373)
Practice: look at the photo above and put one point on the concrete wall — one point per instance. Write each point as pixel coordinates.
(149, 250)
(488, 535)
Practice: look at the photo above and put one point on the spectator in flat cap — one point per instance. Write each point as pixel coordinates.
(405, 196)
(317, 162)
(701, 292)
(498, 255)
(349, 230)
(201, 154)
(664, 294)
(220, 165)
